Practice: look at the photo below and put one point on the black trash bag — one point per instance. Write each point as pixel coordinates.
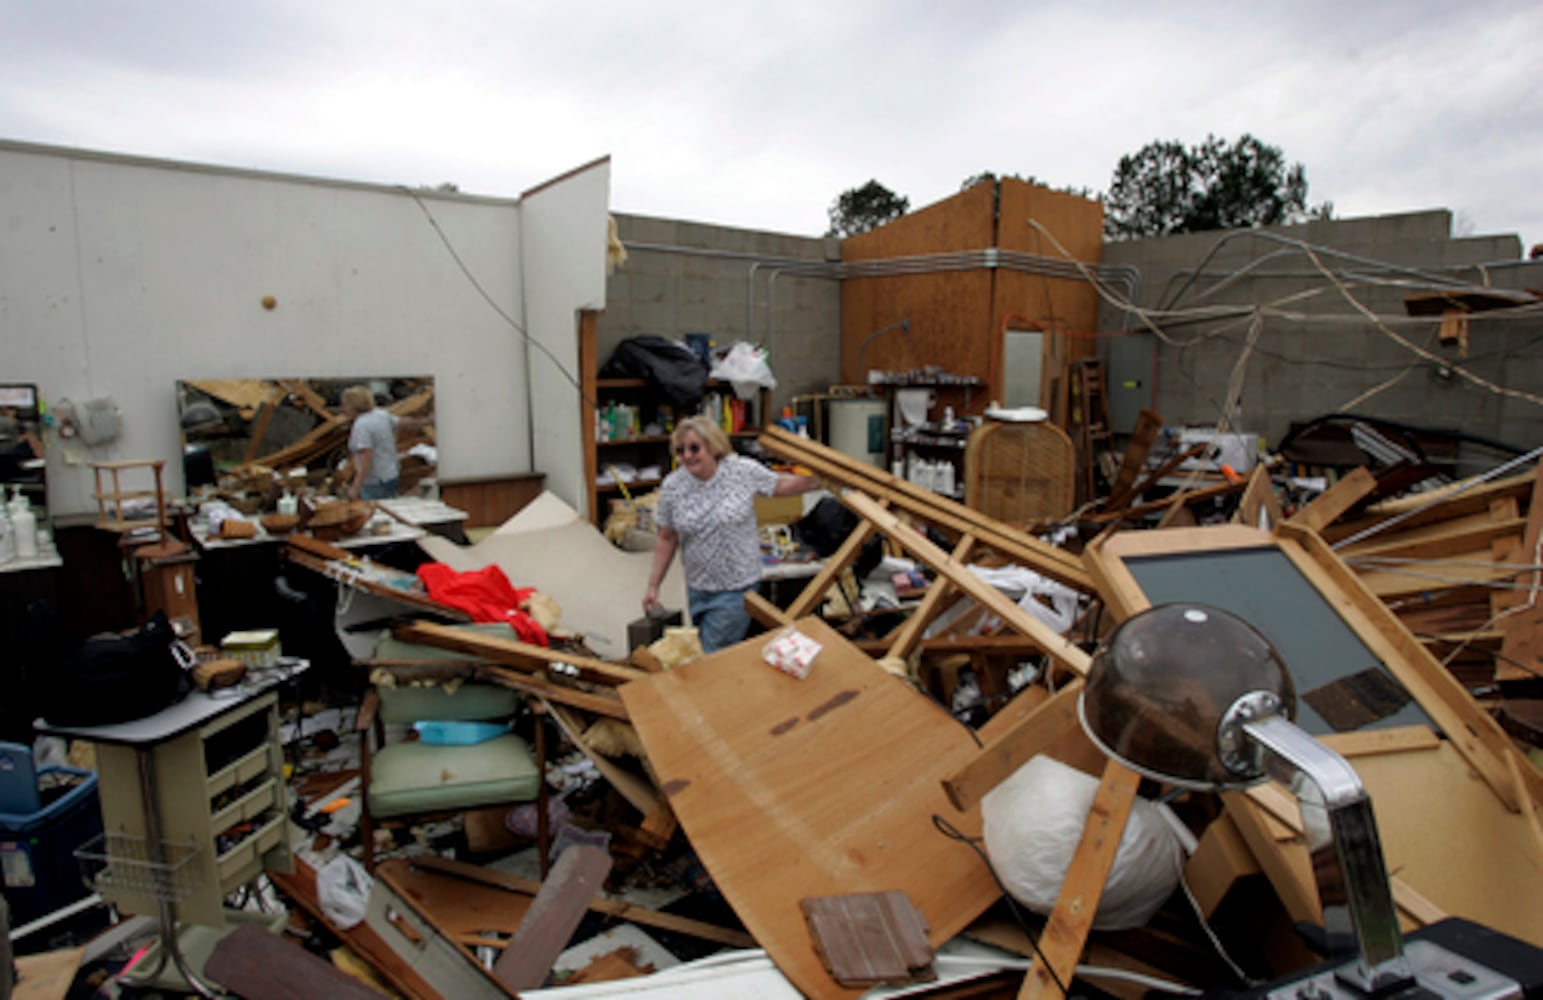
(115, 678)
(827, 525)
(672, 367)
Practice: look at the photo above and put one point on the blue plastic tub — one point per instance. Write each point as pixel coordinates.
(39, 833)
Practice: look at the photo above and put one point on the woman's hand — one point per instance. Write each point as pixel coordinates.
(651, 600)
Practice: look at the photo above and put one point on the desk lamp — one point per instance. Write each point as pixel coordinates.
(1193, 696)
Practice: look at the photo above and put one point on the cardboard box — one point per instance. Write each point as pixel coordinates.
(254, 647)
(778, 510)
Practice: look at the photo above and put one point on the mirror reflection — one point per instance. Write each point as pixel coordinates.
(256, 436)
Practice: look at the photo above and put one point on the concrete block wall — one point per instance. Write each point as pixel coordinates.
(735, 284)
(1316, 352)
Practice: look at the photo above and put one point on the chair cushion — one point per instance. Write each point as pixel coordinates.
(468, 703)
(415, 777)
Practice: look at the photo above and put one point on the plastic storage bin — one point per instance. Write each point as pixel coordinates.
(40, 828)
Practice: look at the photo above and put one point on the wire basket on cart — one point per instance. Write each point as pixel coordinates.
(122, 863)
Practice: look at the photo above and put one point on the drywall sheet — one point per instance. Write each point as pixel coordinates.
(794, 788)
(1264, 588)
(598, 586)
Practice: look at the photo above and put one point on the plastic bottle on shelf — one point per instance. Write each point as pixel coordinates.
(7, 535)
(25, 525)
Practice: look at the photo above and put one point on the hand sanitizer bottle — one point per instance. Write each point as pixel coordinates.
(25, 525)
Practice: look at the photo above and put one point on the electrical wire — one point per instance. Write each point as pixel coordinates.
(492, 303)
(948, 829)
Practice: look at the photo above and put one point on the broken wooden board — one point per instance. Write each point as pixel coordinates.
(1058, 564)
(1066, 932)
(870, 938)
(513, 653)
(553, 916)
(795, 788)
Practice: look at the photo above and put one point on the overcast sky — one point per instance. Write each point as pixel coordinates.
(759, 114)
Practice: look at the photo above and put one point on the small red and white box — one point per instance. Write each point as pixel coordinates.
(791, 652)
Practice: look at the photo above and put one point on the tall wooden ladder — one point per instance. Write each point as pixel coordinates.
(1089, 413)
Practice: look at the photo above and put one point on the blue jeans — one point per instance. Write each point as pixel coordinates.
(379, 491)
(719, 615)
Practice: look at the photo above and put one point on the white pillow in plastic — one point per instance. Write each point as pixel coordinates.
(1034, 822)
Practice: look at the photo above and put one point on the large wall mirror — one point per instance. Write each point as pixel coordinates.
(239, 434)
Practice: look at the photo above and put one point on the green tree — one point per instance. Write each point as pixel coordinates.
(1165, 187)
(986, 175)
(860, 209)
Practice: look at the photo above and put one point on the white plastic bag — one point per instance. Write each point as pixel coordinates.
(745, 367)
(343, 887)
(1034, 822)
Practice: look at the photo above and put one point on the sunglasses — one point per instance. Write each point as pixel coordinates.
(688, 449)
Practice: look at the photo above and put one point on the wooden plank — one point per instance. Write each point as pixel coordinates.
(1041, 557)
(1121, 491)
(441, 671)
(765, 612)
(1448, 538)
(909, 634)
(1332, 503)
(1258, 506)
(362, 574)
(638, 791)
(1522, 647)
(794, 788)
(300, 888)
(813, 594)
(1066, 932)
(520, 655)
(552, 918)
(46, 976)
(999, 759)
(620, 909)
(254, 962)
(1366, 742)
(1055, 645)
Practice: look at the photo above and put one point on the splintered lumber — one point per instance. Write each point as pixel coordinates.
(1043, 558)
(521, 655)
(254, 962)
(551, 920)
(1066, 932)
(794, 788)
(1121, 491)
(1060, 649)
(1328, 506)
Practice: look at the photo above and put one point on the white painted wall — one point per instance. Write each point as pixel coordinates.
(119, 276)
(564, 224)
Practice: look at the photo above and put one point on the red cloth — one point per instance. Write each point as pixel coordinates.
(486, 594)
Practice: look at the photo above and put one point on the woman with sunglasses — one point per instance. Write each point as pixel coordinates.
(707, 510)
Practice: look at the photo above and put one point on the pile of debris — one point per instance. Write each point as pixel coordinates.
(817, 774)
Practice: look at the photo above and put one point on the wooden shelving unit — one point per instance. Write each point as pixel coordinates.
(642, 450)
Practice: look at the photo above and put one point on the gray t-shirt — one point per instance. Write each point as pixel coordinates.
(715, 519)
(376, 430)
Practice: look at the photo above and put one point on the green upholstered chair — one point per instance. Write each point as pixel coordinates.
(410, 777)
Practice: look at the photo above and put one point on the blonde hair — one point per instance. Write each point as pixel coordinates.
(705, 428)
(359, 399)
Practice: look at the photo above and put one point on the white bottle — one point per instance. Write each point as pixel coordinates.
(7, 535)
(288, 504)
(25, 525)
